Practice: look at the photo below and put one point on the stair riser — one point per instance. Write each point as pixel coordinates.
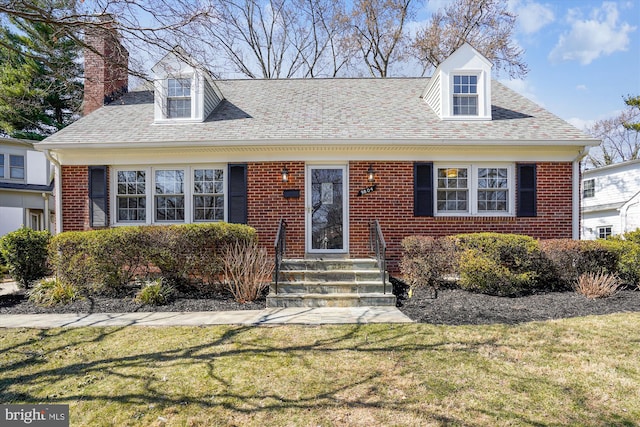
(302, 288)
(329, 276)
(292, 301)
(301, 265)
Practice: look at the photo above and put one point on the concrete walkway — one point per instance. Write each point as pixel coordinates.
(269, 316)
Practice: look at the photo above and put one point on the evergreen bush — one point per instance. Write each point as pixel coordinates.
(25, 254)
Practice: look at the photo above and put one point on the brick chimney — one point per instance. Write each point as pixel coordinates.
(105, 72)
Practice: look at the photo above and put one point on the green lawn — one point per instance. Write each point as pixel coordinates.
(583, 371)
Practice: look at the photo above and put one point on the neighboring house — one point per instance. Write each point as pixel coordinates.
(457, 152)
(611, 200)
(26, 188)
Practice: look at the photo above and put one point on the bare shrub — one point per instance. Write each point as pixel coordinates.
(597, 285)
(247, 270)
(426, 260)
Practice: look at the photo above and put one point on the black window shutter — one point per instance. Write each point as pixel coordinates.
(527, 197)
(237, 203)
(423, 189)
(98, 196)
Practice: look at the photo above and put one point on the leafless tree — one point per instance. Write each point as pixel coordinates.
(147, 26)
(620, 137)
(486, 25)
(378, 32)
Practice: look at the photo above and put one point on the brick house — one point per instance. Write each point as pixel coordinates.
(457, 152)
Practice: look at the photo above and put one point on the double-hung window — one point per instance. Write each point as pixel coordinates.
(588, 188)
(131, 199)
(169, 195)
(208, 194)
(474, 190)
(179, 98)
(465, 95)
(12, 167)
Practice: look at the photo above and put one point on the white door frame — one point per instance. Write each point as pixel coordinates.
(309, 209)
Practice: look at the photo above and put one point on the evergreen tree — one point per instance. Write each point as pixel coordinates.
(40, 87)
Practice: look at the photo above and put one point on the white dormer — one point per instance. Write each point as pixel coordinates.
(183, 91)
(460, 88)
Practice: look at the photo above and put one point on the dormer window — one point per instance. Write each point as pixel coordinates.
(179, 98)
(184, 92)
(465, 95)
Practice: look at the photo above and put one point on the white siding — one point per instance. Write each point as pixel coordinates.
(615, 189)
(37, 168)
(211, 99)
(432, 97)
(10, 219)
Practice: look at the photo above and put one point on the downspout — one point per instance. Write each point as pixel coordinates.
(575, 212)
(57, 189)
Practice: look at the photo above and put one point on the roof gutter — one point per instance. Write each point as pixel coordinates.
(57, 189)
(576, 215)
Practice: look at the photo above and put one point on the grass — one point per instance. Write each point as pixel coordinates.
(583, 371)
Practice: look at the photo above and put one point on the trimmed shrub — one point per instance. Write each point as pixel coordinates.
(104, 261)
(50, 292)
(597, 285)
(499, 264)
(155, 292)
(247, 270)
(426, 260)
(25, 254)
(568, 259)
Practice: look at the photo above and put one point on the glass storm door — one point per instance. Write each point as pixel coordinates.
(326, 209)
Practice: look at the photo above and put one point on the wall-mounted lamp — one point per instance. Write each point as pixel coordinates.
(285, 174)
(371, 174)
(452, 173)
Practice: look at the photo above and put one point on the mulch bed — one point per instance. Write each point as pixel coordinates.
(451, 307)
(458, 307)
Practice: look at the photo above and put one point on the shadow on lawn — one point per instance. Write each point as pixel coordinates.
(33, 371)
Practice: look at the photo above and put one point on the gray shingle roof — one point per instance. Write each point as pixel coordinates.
(265, 111)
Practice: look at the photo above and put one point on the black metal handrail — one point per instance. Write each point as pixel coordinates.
(379, 247)
(280, 249)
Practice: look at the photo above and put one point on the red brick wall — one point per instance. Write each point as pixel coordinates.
(392, 205)
(266, 204)
(105, 70)
(75, 198)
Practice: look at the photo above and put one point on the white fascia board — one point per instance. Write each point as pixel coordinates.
(195, 154)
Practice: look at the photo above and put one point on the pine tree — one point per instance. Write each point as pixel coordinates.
(40, 87)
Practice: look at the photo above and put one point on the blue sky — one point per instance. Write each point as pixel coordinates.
(583, 55)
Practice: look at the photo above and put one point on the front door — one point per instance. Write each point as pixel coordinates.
(326, 209)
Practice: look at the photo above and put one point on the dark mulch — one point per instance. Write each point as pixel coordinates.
(451, 307)
(188, 299)
(458, 307)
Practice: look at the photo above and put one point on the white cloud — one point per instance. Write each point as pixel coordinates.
(581, 124)
(588, 39)
(435, 5)
(532, 16)
(581, 87)
(524, 88)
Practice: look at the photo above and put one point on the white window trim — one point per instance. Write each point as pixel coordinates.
(584, 183)
(483, 92)
(150, 193)
(472, 186)
(603, 227)
(162, 92)
(7, 165)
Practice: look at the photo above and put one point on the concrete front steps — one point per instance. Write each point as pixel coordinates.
(327, 282)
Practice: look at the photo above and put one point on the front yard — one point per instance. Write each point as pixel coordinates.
(579, 371)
